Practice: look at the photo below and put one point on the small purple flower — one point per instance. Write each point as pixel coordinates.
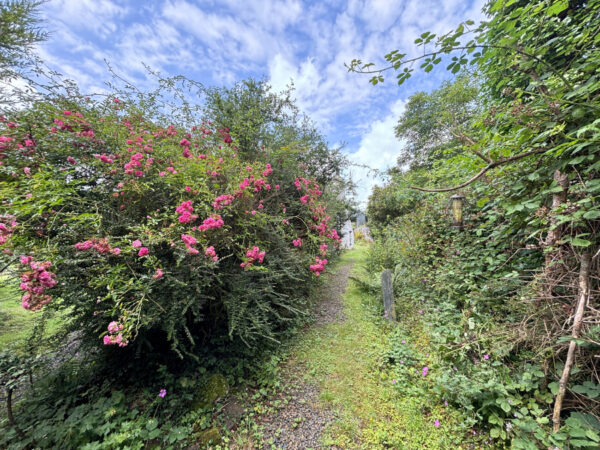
(437, 423)
(425, 370)
(401, 361)
(445, 402)
(423, 299)
(420, 311)
(403, 341)
(162, 393)
(393, 381)
(486, 356)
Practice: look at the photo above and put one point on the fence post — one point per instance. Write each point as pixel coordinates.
(388, 295)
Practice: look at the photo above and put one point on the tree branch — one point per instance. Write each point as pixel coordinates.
(481, 172)
(463, 137)
(483, 46)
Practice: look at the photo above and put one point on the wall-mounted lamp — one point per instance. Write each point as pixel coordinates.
(457, 211)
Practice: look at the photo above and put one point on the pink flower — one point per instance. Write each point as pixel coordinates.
(297, 242)
(27, 170)
(114, 327)
(210, 252)
(425, 371)
(143, 252)
(159, 274)
(116, 251)
(486, 356)
(136, 244)
(188, 240)
(254, 254)
(162, 393)
(71, 160)
(436, 423)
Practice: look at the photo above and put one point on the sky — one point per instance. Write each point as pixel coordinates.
(219, 42)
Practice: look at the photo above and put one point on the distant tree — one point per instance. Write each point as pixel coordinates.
(434, 122)
(262, 122)
(19, 32)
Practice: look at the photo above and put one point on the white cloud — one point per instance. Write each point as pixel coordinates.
(222, 41)
(96, 15)
(378, 149)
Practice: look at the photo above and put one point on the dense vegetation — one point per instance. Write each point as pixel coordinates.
(170, 239)
(509, 301)
(164, 244)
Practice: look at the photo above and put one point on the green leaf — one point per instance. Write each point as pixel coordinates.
(557, 7)
(580, 242)
(151, 424)
(591, 215)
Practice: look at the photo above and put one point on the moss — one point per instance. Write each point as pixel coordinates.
(210, 436)
(216, 387)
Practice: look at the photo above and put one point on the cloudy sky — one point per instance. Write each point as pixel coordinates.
(218, 42)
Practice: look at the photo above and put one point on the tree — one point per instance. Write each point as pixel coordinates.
(19, 32)
(260, 121)
(435, 123)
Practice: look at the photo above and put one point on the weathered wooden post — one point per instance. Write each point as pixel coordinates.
(388, 295)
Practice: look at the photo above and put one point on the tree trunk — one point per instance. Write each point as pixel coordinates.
(583, 296)
(554, 235)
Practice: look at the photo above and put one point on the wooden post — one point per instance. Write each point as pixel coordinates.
(388, 295)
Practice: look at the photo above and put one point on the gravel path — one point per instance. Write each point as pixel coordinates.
(299, 424)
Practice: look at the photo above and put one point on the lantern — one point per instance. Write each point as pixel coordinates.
(457, 211)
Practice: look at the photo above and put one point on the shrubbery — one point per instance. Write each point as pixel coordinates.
(162, 232)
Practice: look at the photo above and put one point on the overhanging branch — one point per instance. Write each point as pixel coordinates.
(482, 172)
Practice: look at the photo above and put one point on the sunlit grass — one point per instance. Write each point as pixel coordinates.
(16, 323)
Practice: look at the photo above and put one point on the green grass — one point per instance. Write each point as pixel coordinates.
(345, 360)
(16, 322)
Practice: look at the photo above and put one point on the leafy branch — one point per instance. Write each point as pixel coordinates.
(482, 172)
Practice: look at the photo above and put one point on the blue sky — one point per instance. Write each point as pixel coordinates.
(220, 42)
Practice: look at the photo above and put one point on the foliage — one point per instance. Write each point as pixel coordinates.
(432, 124)
(508, 284)
(155, 232)
(19, 32)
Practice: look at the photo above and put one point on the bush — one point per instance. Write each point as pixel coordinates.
(151, 234)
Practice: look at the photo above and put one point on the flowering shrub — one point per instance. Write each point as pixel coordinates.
(155, 232)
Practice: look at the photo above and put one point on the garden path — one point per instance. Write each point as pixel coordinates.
(302, 421)
(339, 394)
